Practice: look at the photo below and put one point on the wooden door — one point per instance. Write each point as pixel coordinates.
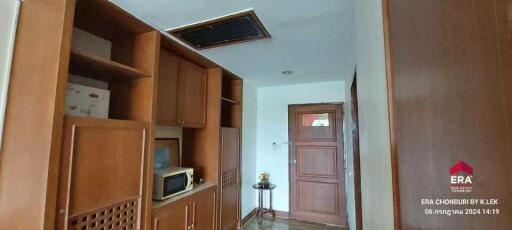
(317, 191)
(167, 89)
(191, 95)
(230, 187)
(172, 217)
(204, 210)
(101, 173)
(450, 101)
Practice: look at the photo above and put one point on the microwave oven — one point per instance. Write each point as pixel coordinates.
(169, 182)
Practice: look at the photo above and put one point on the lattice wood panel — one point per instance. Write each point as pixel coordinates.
(123, 215)
(229, 177)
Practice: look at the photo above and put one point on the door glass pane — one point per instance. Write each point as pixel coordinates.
(318, 119)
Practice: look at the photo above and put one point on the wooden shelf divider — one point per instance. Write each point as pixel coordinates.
(93, 66)
(113, 122)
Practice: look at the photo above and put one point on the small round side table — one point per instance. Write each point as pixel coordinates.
(261, 210)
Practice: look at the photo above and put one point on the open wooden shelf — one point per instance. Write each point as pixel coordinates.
(92, 66)
(107, 20)
(230, 100)
(231, 106)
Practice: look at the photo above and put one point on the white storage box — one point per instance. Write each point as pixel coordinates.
(84, 101)
(90, 43)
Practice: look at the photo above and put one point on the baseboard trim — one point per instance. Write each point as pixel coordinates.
(252, 214)
(249, 216)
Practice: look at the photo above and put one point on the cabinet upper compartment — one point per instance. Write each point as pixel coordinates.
(181, 92)
(107, 20)
(123, 31)
(112, 46)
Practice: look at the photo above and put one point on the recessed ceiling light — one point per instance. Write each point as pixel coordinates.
(287, 72)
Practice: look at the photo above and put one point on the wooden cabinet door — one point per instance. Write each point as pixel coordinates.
(181, 92)
(172, 217)
(101, 173)
(204, 210)
(230, 188)
(167, 100)
(191, 95)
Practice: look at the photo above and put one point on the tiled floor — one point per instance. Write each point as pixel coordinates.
(282, 224)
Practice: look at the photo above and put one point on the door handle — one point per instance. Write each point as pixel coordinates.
(293, 162)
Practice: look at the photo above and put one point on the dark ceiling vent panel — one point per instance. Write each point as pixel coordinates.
(236, 28)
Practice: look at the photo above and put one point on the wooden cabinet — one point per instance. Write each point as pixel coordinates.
(191, 95)
(196, 212)
(172, 217)
(101, 173)
(181, 92)
(216, 148)
(167, 113)
(204, 211)
(230, 169)
(106, 173)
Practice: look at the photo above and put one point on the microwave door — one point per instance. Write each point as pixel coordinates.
(175, 184)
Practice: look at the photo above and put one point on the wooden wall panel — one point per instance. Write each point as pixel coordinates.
(230, 184)
(451, 101)
(504, 33)
(29, 159)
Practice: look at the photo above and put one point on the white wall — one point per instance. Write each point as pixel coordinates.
(8, 17)
(374, 140)
(272, 127)
(249, 148)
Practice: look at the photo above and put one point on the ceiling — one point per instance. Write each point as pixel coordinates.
(312, 38)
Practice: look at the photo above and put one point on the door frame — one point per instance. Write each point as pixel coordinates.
(341, 104)
(391, 113)
(356, 158)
